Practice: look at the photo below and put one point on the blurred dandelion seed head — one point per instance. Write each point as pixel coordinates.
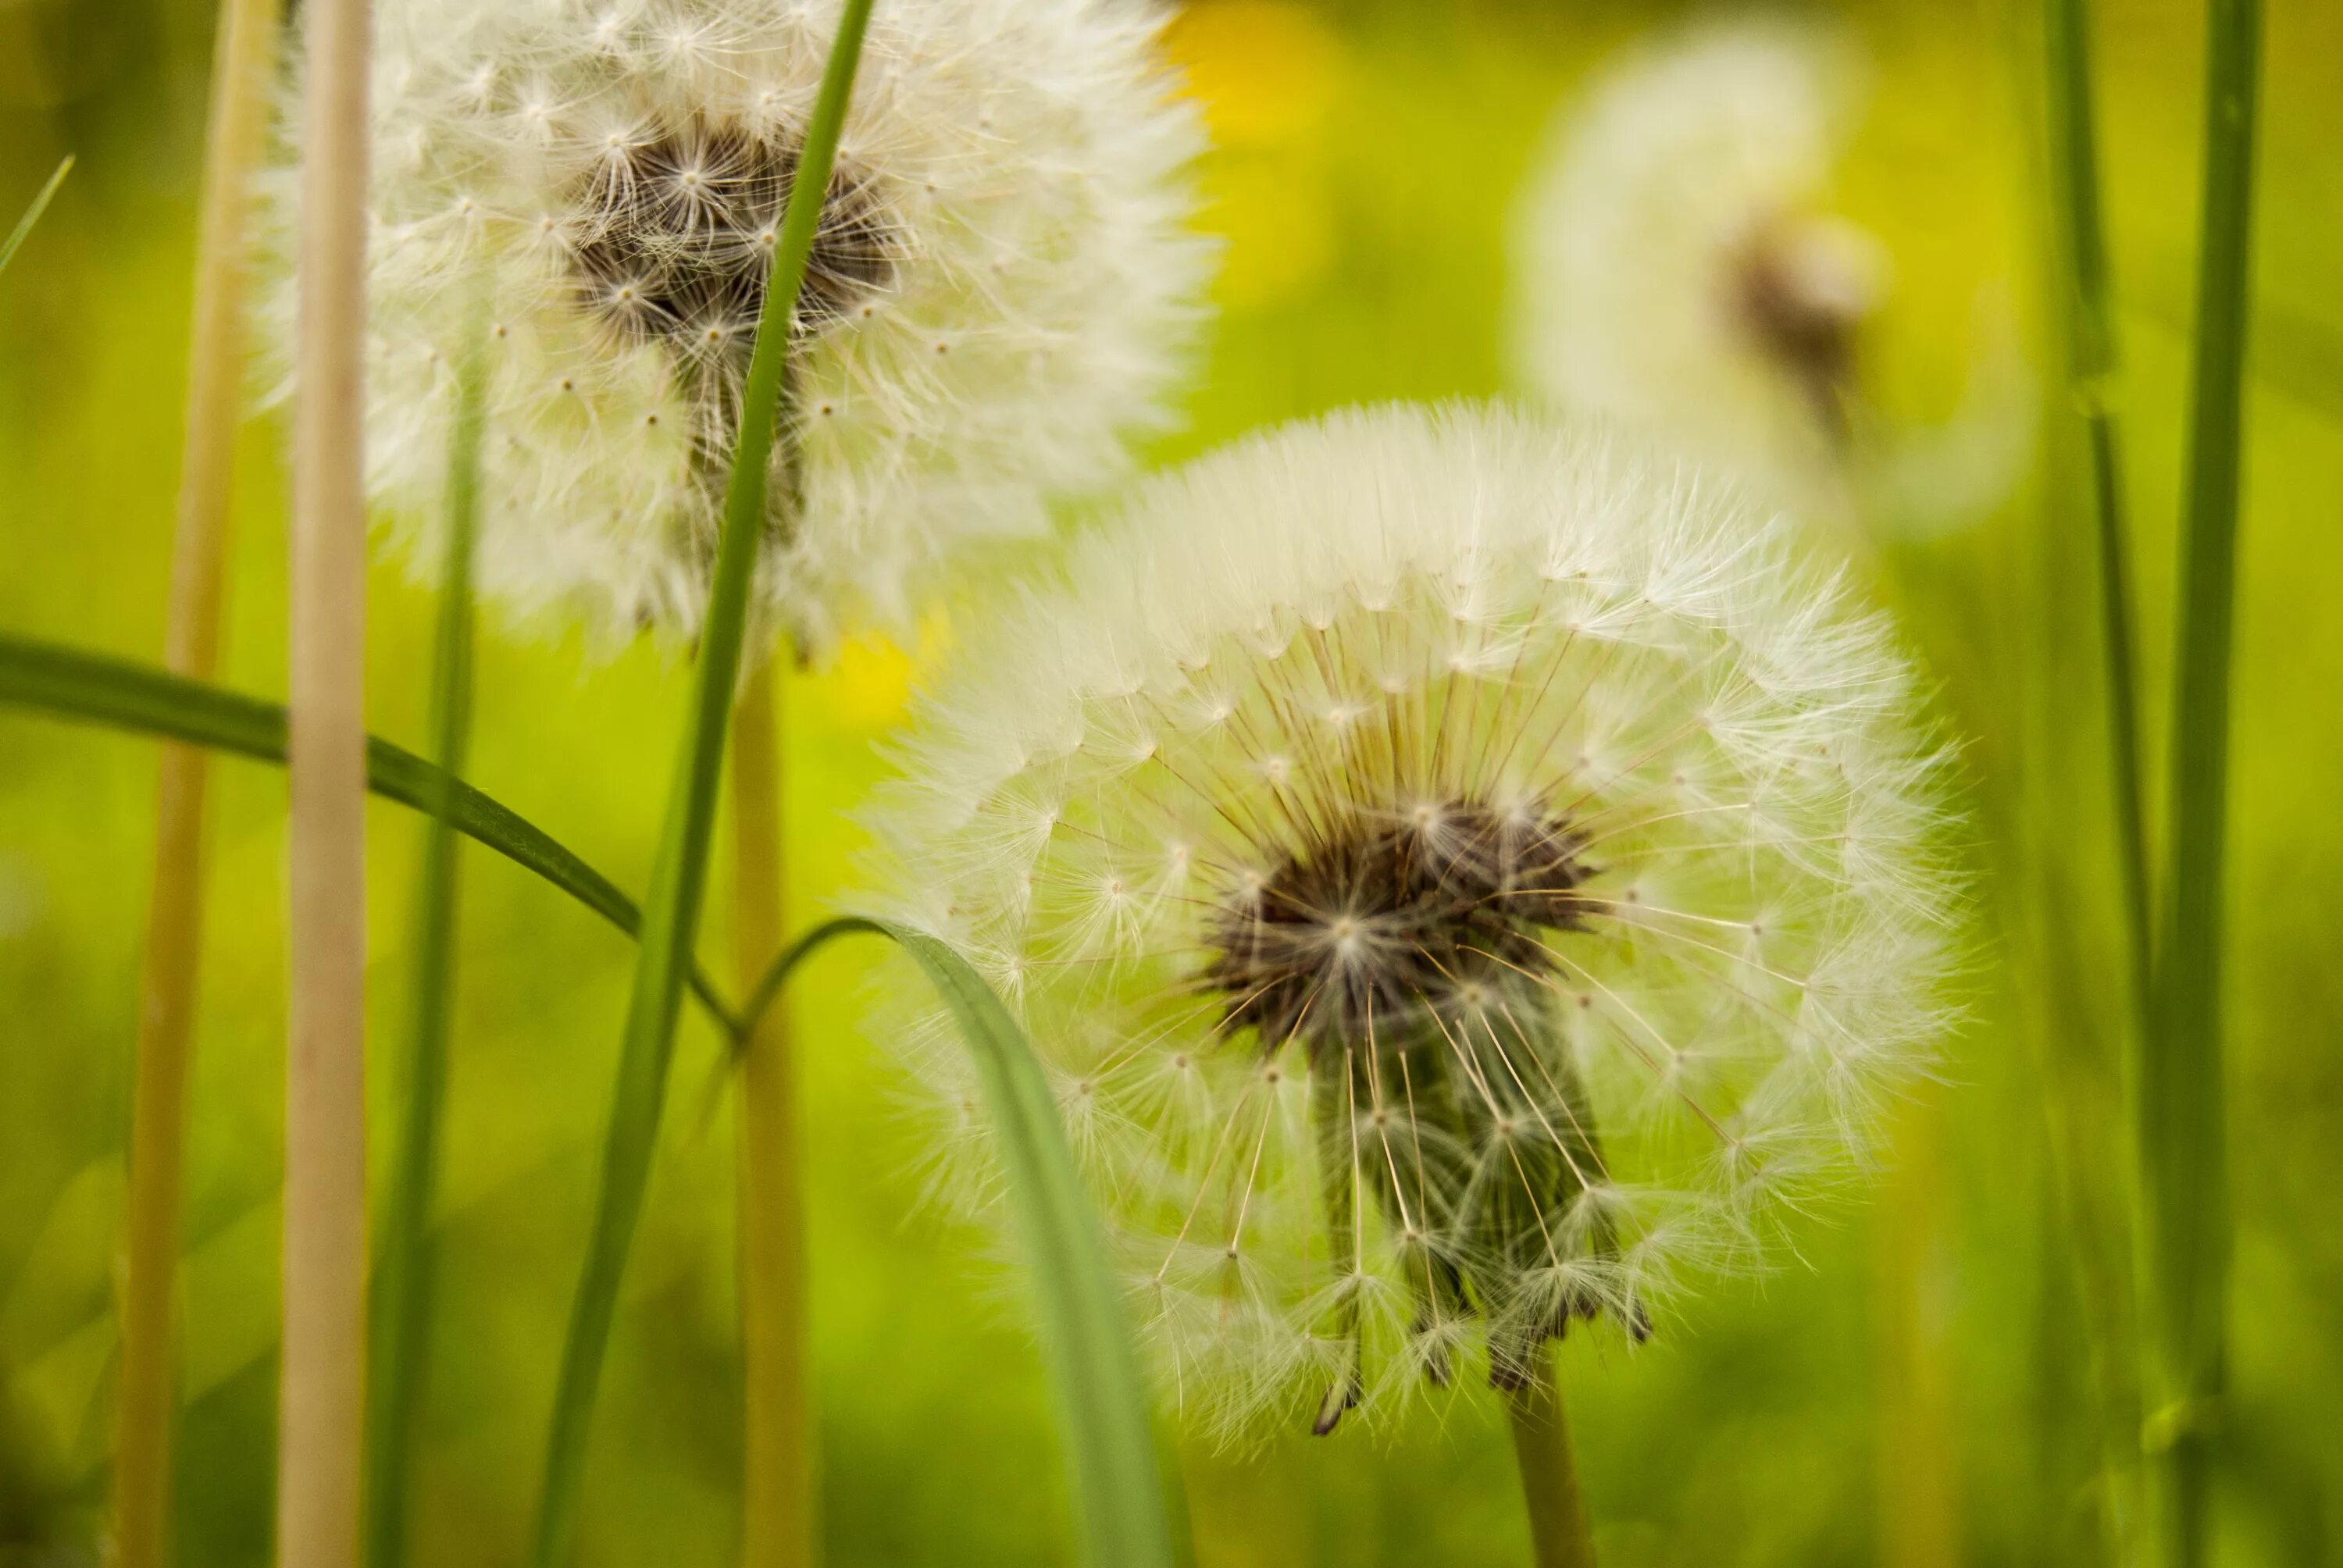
(1002, 291)
(1679, 264)
(1462, 872)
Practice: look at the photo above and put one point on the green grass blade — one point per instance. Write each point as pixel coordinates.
(2084, 293)
(1101, 1396)
(115, 692)
(2091, 362)
(2182, 1138)
(33, 212)
(671, 916)
(399, 1321)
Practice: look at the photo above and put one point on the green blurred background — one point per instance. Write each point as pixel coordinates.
(1921, 1390)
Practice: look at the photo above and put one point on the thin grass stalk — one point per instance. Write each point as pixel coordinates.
(145, 1389)
(777, 1520)
(40, 203)
(2084, 295)
(322, 1374)
(2183, 1148)
(100, 689)
(671, 914)
(398, 1364)
(1560, 1535)
(2087, 312)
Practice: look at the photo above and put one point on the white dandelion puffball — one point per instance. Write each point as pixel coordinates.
(1678, 263)
(1459, 871)
(1001, 289)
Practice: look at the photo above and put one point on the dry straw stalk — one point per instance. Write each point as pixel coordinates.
(321, 1391)
(778, 1460)
(145, 1403)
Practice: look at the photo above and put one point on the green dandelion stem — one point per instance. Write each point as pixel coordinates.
(1560, 1536)
(2185, 1231)
(399, 1322)
(101, 690)
(678, 879)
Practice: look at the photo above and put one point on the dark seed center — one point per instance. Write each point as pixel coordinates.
(676, 234)
(1382, 919)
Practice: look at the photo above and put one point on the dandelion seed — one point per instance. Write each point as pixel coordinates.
(1468, 1044)
(615, 177)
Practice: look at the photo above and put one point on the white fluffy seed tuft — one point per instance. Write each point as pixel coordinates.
(1593, 937)
(1004, 286)
(1679, 267)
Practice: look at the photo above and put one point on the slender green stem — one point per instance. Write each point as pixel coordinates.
(32, 213)
(1560, 1536)
(2084, 292)
(671, 916)
(2091, 366)
(401, 1317)
(2182, 1137)
(101, 690)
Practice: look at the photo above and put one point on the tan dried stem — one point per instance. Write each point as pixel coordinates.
(777, 1456)
(321, 1389)
(145, 1400)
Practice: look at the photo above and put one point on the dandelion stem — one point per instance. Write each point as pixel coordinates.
(778, 1459)
(671, 913)
(144, 1395)
(1559, 1534)
(321, 1386)
(2185, 1228)
(405, 1271)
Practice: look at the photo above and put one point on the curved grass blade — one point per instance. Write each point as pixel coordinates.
(401, 1315)
(2183, 1144)
(1101, 1395)
(123, 695)
(679, 875)
(33, 212)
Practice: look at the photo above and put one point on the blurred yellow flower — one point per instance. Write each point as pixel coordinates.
(1267, 75)
(1265, 72)
(870, 685)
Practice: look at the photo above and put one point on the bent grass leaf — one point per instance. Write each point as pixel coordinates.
(1101, 1398)
(123, 695)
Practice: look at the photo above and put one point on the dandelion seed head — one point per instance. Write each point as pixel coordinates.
(1002, 290)
(1682, 263)
(1679, 263)
(1454, 1030)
